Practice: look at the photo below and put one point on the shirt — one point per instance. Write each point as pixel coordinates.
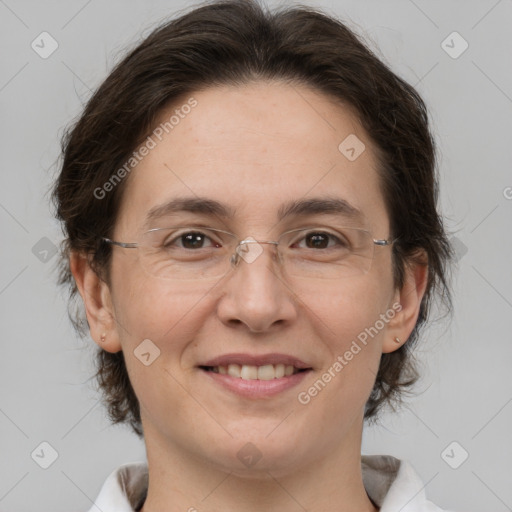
(392, 484)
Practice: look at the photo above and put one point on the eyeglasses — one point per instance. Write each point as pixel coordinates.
(195, 253)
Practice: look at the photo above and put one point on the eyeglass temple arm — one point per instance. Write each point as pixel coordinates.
(383, 242)
(126, 245)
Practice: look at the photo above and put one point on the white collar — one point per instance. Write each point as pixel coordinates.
(392, 484)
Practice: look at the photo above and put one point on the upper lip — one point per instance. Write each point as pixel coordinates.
(256, 360)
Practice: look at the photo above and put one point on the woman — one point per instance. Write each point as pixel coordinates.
(249, 201)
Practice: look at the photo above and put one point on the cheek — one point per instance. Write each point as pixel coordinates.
(145, 307)
(346, 310)
(351, 321)
(154, 308)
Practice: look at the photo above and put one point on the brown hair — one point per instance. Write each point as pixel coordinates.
(235, 42)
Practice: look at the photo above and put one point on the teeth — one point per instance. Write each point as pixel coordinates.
(249, 372)
(279, 368)
(234, 370)
(266, 372)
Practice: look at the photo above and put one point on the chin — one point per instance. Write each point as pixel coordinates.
(255, 453)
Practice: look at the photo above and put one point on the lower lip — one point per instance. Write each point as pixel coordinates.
(256, 388)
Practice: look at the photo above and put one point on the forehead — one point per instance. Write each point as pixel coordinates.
(254, 148)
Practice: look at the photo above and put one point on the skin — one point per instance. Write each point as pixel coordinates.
(252, 147)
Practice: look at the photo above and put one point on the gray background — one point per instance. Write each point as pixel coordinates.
(45, 371)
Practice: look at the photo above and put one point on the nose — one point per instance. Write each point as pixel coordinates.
(256, 294)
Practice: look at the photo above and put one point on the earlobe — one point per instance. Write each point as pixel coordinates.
(409, 297)
(97, 300)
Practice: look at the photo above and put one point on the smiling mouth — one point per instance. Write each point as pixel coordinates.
(250, 372)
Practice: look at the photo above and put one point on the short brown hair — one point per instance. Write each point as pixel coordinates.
(236, 42)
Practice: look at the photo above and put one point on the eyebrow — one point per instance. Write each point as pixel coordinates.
(212, 208)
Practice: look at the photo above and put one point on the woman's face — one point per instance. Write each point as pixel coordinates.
(254, 149)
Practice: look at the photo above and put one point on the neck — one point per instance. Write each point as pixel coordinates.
(329, 480)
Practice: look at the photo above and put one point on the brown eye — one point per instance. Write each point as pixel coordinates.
(317, 240)
(193, 240)
(322, 240)
(190, 240)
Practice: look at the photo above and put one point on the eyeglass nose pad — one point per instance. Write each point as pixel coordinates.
(235, 259)
(241, 247)
(248, 253)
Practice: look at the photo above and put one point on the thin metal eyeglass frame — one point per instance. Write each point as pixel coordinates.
(235, 257)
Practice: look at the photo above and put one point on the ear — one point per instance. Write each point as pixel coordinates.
(407, 302)
(97, 301)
